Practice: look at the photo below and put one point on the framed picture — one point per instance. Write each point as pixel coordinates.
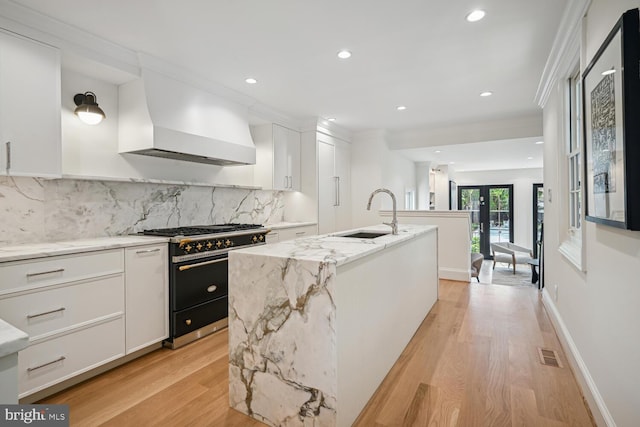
(611, 105)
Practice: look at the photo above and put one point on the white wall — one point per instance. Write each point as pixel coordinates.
(93, 150)
(522, 180)
(374, 166)
(596, 312)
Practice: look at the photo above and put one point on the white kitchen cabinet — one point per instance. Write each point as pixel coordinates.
(334, 185)
(290, 233)
(29, 107)
(72, 307)
(277, 157)
(147, 296)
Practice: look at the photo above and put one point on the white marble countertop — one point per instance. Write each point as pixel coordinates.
(12, 339)
(286, 224)
(42, 250)
(334, 248)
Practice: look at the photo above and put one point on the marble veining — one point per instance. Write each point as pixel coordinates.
(286, 344)
(282, 325)
(339, 250)
(42, 210)
(42, 250)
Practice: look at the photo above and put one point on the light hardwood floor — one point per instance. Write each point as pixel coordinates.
(472, 362)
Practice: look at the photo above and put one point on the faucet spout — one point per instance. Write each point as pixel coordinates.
(394, 222)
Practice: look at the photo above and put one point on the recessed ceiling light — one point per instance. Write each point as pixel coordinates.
(607, 72)
(332, 119)
(487, 93)
(452, 163)
(344, 54)
(529, 158)
(438, 151)
(251, 80)
(401, 108)
(475, 15)
(539, 142)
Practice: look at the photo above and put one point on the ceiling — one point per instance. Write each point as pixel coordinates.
(422, 54)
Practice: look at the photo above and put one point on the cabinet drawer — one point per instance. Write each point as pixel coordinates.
(53, 310)
(49, 362)
(297, 232)
(30, 274)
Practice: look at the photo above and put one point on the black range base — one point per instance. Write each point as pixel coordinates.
(198, 276)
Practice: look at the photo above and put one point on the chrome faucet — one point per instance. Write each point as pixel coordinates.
(394, 222)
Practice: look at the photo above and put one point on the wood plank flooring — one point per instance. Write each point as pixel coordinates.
(472, 362)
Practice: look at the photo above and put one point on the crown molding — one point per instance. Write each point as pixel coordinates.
(35, 25)
(565, 45)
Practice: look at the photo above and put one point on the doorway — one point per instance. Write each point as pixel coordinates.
(491, 208)
(538, 216)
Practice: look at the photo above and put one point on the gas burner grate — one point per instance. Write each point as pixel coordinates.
(200, 229)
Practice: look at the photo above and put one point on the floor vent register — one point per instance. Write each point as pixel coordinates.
(549, 357)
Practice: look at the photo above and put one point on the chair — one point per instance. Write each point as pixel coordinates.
(476, 264)
(511, 254)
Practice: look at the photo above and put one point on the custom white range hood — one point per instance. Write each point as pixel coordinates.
(163, 117)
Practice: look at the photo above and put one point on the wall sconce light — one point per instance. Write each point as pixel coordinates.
(88, 110)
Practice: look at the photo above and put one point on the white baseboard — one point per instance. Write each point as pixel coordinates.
(599, 409)
(454, 274)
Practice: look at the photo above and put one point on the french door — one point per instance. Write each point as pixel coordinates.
(491, 208)
(538, 216)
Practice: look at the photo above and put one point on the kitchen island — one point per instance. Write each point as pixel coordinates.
(316, 323)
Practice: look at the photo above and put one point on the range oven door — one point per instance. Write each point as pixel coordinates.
(198, 281)
(198, 294)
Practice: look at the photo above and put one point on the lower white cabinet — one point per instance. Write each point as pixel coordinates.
(147, 296)
(51, 361)
(84, 310)
(284, 234)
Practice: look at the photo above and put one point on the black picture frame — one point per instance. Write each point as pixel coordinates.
(611, 128)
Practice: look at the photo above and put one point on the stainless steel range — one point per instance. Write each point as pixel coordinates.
(198, 276)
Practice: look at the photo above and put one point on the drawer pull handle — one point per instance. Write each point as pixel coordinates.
(300, 233)
(188, 322)
(57, 270)
(31, 316)
(148, 251)
(200, 264)
(212, 288)
(59, 359)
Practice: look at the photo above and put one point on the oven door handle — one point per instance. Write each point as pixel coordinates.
(200, 264)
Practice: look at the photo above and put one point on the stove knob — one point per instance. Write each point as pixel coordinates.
(255, 239)
(219, 244)
(261, 237)
(199, 246)
(188, 248)
(209, 245)
(228, 243)
(188, 322)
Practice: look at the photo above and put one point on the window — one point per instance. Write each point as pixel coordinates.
(572, 247)
(409, 200)
(573, 156)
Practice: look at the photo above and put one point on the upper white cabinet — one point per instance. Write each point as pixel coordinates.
(334, 185)
(29, 107)
(277, 157)
(147, 296)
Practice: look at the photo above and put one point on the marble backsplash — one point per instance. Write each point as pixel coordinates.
(42, 210)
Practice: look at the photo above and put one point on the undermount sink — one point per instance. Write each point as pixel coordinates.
(364, 235)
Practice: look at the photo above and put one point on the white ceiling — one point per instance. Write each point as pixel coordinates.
(418, 53)
(522, 153)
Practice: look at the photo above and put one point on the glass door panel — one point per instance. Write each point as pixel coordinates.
(538, 216)
(492, 221)
(499, 214)
(469, 200)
